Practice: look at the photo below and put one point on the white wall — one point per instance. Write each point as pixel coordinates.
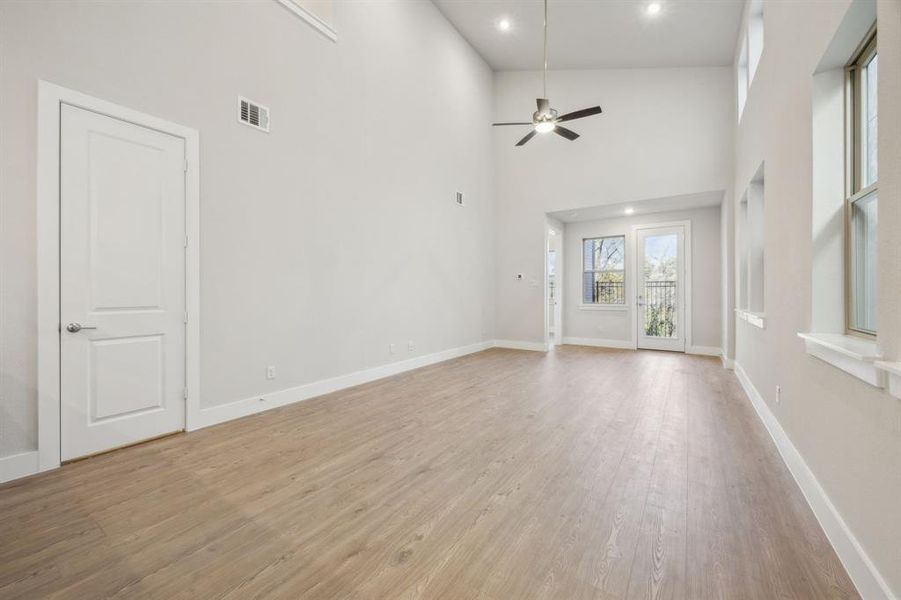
(323, 241)
(664, 132)
(616, 325)
(849, 433)
(337, 234)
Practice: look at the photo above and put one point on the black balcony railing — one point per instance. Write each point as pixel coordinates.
(609, 292)
(660, 308)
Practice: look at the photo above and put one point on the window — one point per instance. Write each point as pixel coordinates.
(749, 52)
(756, 243)
(863, 193)
(741, 77)
(843, 315)
(751, 234)
(604, 270)
(742, 244)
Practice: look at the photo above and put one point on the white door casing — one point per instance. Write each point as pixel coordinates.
(553, 309)
(658, 295)
(122, 280)
(50, 101)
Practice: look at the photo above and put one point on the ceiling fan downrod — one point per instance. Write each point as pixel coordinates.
(546, 119)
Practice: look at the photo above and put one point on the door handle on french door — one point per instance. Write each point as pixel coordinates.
(76, 327)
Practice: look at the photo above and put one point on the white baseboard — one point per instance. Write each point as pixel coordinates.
(213, 415)
(704, 350)
(599, 343)
(860, 568)
(520, 345)
(18, 465)
(728, 363)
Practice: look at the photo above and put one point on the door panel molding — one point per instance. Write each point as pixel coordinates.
(636, 269)
(122, 219)
(51, 97)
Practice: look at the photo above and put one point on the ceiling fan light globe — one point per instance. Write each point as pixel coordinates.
(544, 127)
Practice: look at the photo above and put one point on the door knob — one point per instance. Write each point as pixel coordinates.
(76, 327)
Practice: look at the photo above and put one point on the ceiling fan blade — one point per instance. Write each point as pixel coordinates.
(499, 124)
(528, 137)
(578, 114)
(544, 105)
(567, 133)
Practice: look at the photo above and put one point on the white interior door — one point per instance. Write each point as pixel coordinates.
(122, 283)
(661, 288)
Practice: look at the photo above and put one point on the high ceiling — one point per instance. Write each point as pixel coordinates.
(590, 34)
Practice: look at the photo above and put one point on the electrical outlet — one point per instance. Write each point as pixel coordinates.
(778, 394)
(410, 346)
(391, 348)
(270, 372)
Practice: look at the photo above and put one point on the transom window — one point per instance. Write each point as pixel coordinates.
(604, 270)
(863, 193)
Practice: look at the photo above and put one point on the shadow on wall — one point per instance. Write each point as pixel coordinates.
(18, 415)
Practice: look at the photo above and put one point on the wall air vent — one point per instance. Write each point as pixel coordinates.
(459, 198)
(253, 114)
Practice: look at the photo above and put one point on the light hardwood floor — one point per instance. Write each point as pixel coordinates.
(584, 473)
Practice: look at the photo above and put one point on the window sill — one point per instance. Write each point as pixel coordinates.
(755, 319)
(893, 369)
(603, 307)
(851, 354)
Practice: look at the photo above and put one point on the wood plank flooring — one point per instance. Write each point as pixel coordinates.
(584, 473)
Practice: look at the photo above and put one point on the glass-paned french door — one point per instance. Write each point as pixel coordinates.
(661, 288)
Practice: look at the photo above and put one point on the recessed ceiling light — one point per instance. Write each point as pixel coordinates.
(629, 211)
(654, 8)
(504, 24)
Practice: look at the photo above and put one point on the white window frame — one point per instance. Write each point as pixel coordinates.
(749, 54)
(605, 305)
(751, 251)
(854, 156)
(829, 339)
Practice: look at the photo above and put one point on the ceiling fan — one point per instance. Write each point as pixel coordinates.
(546, 119)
